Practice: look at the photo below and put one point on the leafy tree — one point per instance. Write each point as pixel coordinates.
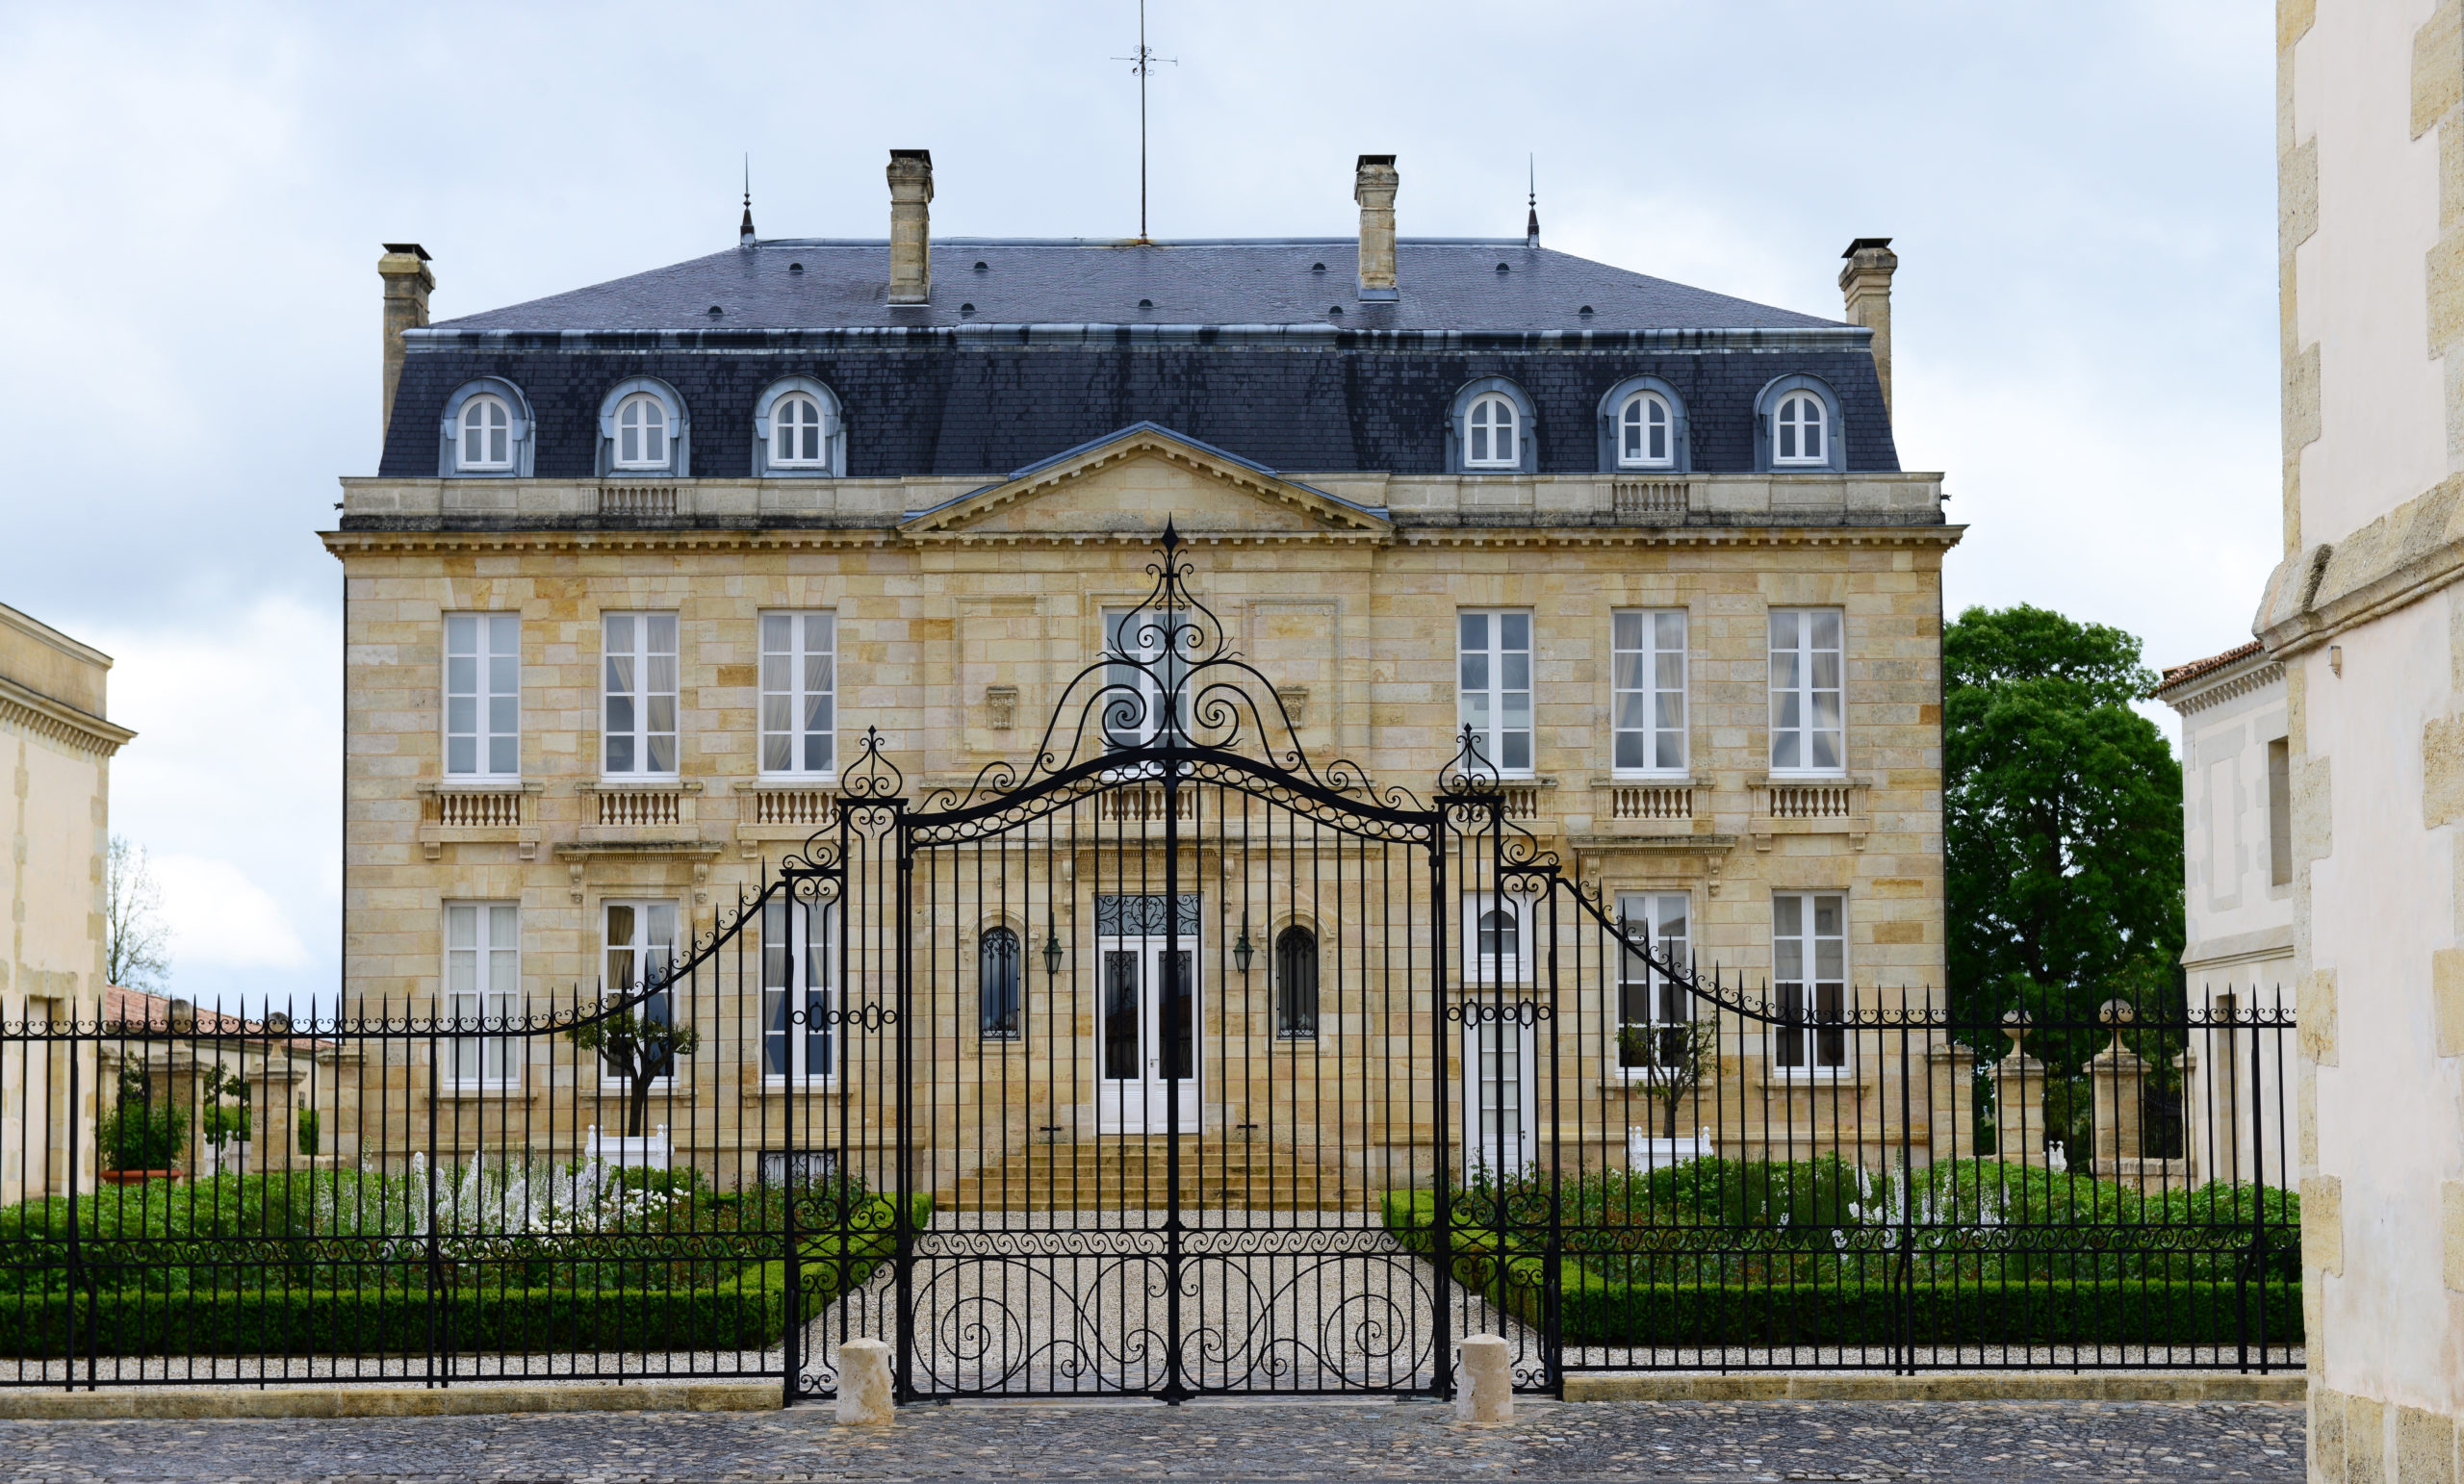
(136, 944)
(639, 1048)
(2062, 824)
(1674, 1059)
(222, 1124)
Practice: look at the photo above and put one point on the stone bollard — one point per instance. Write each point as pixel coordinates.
(864, 1384)
(1484, 1389)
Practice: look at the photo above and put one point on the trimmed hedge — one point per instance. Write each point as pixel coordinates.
(1596, 1310)
(747, 1310)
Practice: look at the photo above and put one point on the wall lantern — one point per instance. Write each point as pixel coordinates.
(1051, 950)
(1242, 951)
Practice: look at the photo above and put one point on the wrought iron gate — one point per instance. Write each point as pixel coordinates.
(1169, 1062)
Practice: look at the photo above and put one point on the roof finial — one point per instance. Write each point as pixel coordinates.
(744, 233)
(1532, 224)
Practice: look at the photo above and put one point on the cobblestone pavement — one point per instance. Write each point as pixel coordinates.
(1260, 1441)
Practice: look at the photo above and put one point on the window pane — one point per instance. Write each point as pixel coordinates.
(1514, 631)
(1826, 630)
(1476, 631)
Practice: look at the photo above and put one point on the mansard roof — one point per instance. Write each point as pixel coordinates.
(1448, 284)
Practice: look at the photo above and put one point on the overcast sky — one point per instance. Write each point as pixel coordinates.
(192, 198)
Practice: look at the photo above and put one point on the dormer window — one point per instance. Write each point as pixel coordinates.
(487, 434)
(1490, 434)
(641, 432)
(795, 432)
(1799, 432)
(1644, 433)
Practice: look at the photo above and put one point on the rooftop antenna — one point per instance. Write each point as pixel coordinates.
(744, 233)
(1143, 64)
(1532, 224)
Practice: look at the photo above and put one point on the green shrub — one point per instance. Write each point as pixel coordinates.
(308, 1122)
(144, 1134)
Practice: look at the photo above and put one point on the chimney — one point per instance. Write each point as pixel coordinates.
(1373, 183)
(1865, 281)
(911, 226)
(407, 285)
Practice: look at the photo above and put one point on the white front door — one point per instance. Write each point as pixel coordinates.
(1497, 1102)
(1146, 1035)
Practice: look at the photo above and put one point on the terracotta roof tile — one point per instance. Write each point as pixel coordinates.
(2182, 674)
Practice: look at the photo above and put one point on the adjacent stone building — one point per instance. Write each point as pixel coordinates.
(58, 744)
(2366, 617)
(644, 562)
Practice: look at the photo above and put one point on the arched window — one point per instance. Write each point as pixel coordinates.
(996, 980)
(1645, 432)
(641, 432)
(796, 432)
(1799, 430)
(487, 433)
(1501, 937)
(1490, 440)
(1295, 983)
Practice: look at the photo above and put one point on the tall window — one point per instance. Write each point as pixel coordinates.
(483, 694)
(796, 437)
(1295, 983)
(1489, 439)
(1644, 432)
(2279, 812)
(799, 692)
(1810, 980)
(1808, 728)
(1647, 704)
(1494, 686)
(641, 693)
(799, 977)
(1652, 1008)
(1799, 430)
(640, 947)
(996, 985)
(641, 432)
(482, 982)
(1134, 692)
(487, 433)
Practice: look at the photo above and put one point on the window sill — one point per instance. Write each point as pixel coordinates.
(800, 1086)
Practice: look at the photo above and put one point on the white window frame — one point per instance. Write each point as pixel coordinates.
(1167, 653)
(797, 676)
(482, 687)
(646, 956)
(1662, 749)
(1483, 706)
(649, 684)
(1505, 422)
(1790, 425)
(1634, 427)
(486, 417)
(1802, 983)
(641, 417)
(816, 953)
(482, 982)
(799, 416)
(1796, 676)
(1483, 968)
(1647, 916)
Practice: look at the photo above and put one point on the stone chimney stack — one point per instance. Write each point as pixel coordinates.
(1373, 183)
(1865, 281)
(911, 226)
(407, 286)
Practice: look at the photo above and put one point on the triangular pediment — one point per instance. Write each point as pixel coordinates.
(1131, 480)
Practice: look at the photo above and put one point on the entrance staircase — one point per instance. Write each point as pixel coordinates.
(1128, 1172)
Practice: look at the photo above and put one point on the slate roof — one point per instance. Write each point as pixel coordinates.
(1450, 284)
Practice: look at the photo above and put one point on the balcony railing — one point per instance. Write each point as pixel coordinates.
(1639, 499)
(637, 500)
(1639, 802)
(473, 813)
(1811, 807)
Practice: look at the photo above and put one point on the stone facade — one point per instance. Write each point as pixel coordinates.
(58, 746)
(2365, 616)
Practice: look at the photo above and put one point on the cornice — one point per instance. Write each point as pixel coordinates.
(1298, 336)
(38, 713)
(2395, 561)
(2232, 688)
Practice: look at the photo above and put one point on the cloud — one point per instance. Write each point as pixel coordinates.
(220, 919)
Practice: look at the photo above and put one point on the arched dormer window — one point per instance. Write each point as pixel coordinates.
(1491, 430)
(1295, 983)
(797, 431)
(485, 432)
(1642, 428)
(1798, 428)
(643, 431)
